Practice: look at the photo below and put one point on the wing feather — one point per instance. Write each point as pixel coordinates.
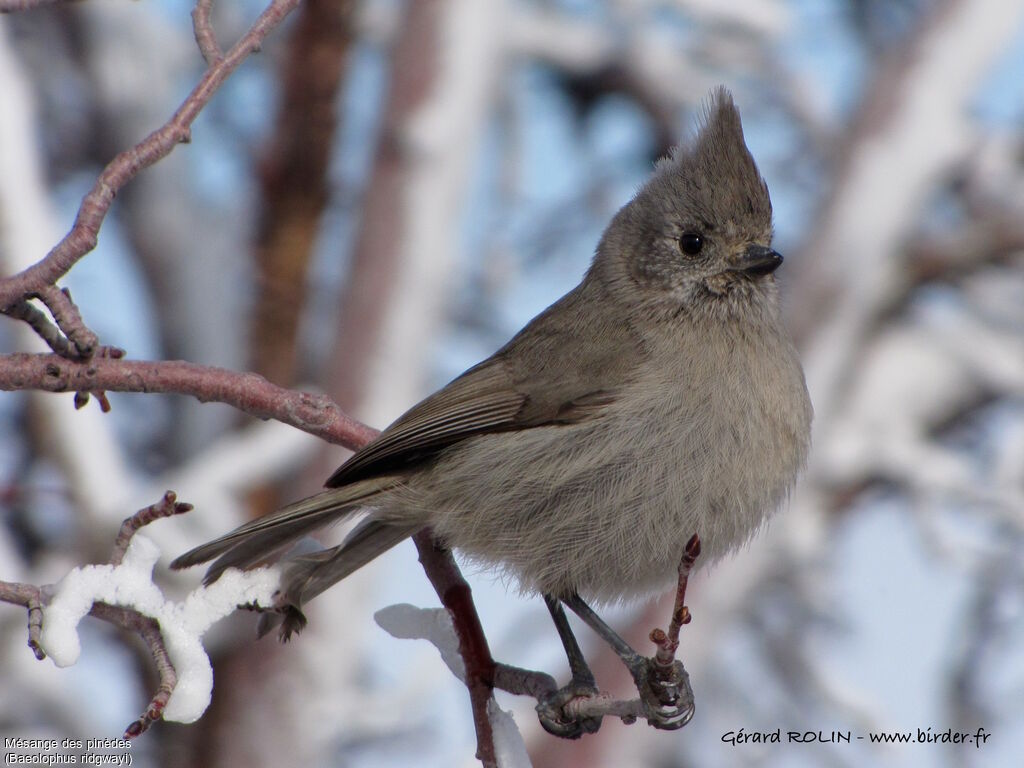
(481, 400)
(548, 374)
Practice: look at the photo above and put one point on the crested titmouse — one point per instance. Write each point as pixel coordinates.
(659, 398)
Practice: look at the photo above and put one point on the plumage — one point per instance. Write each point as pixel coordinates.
(659, 398)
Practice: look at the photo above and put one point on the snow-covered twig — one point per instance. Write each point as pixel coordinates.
(121, 592)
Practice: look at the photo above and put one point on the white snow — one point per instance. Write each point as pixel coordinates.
(182, 625)
(509, 747)
(407, 622)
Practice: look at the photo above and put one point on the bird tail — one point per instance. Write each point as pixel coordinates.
(307, 576)
(263, 540)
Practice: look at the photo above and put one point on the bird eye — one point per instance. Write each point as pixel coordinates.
(691, 243)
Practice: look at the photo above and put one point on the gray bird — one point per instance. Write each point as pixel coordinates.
(660, 398)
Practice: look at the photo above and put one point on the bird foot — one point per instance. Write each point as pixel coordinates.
(666, 695)
(552, 712)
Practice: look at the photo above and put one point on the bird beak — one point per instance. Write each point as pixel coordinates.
(758, 260)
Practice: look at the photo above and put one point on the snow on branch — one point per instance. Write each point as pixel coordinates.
(122, 592)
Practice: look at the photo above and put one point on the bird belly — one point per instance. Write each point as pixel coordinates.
(575, 508)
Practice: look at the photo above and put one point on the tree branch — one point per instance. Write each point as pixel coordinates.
(40, 323)
(166, 507)
(34, 598)
(456, 596)
(248, 392)
(204, 34)
(96, 204)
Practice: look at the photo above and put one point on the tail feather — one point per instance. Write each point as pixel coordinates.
(307, 576)
(258, 540)
(367, 541)
(267, 546)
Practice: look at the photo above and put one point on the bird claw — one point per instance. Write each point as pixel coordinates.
(666, 696)
(554, 719)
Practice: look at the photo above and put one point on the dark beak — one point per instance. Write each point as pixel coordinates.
(759, 260)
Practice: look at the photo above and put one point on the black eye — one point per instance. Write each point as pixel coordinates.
(691, 243)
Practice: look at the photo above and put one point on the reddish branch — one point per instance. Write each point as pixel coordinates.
(203, 31)
(248, 392)
(456, 596)
(668, 642)
(43, 275)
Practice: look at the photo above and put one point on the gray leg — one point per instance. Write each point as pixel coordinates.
(636, 663)
(550, 711)
(668, 697)
(577, 663)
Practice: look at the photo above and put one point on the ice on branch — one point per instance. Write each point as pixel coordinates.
(182, 624)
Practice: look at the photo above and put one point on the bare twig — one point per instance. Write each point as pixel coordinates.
(40, 323)
(166, 507)
(312, 413)
(69, 319)
(29, 596)
(668, 643)
(123, 168)
(205, 37)
(33, 598)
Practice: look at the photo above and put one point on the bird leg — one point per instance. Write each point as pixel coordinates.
(665, 693)
(551, 710)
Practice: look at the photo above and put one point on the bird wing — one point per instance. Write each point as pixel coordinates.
(483, 399)
(552, 372)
